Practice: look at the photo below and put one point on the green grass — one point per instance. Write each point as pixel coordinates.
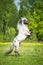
(30, 55)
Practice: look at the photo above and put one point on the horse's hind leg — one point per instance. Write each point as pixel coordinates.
(17, 50)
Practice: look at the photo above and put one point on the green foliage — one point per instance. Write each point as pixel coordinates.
(9, 15)
(8, 18)
(10, 34)
(34, 13)
(38, 16)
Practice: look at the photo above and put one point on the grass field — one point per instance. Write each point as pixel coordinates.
(31, 54)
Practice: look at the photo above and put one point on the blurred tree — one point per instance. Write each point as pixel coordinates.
(33, 10)
(38, 16)
(8, 17)
(26, 5)
(8, 14)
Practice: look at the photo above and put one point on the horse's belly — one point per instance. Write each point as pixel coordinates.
(21, 37)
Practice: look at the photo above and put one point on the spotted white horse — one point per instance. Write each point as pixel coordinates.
(23, 32)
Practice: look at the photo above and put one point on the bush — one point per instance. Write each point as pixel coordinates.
(9, 36)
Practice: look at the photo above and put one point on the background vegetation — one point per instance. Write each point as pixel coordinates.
(9, 16)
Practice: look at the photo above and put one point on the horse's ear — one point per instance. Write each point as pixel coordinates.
(20, 22)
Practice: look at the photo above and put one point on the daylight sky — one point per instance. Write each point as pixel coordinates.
(16, 2)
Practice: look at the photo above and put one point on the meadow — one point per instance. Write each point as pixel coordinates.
(31, 54)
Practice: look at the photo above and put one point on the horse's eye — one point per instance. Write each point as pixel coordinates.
(25, 22)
